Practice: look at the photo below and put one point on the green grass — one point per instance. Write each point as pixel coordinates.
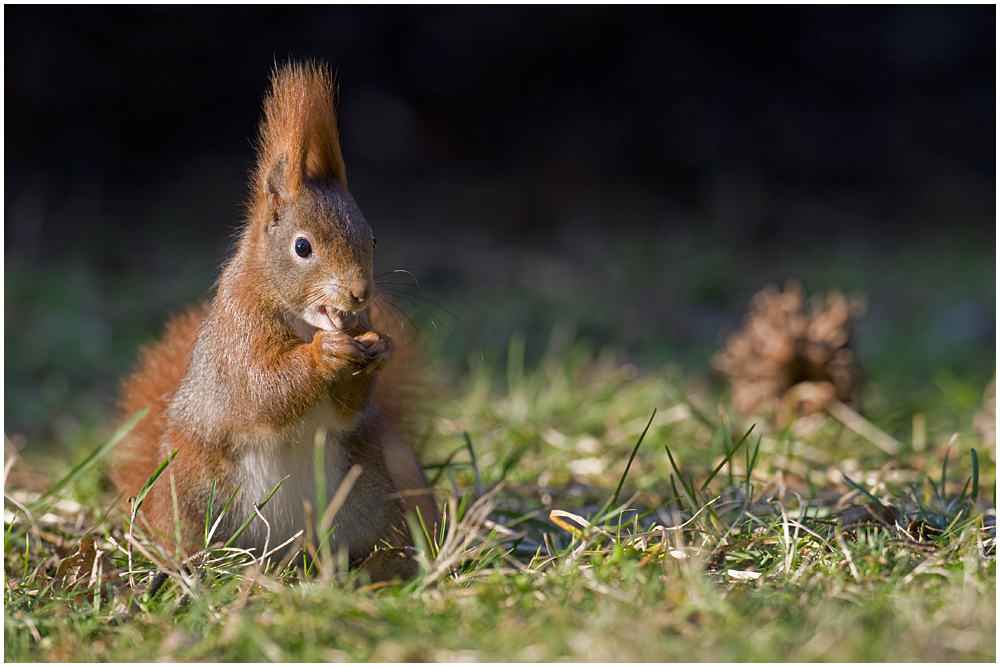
(636, 563)
(674, 537)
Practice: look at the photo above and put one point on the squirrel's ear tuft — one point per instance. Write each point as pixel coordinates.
(278, 189)
(322, 158)
(298, 135)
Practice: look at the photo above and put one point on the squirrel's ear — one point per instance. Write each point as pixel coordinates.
(278, 189)
(323, 159)
(298, 137)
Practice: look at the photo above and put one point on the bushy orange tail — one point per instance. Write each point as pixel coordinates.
(406, 394)
(159, 372)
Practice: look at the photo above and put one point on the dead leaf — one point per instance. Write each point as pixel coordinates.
(385, 565)
(922, 531)
(87, 568)
(866, 513)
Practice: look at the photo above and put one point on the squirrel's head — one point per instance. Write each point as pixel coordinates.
(320, 255)
(316, 247)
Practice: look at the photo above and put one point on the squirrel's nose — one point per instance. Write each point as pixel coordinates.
(360, 296)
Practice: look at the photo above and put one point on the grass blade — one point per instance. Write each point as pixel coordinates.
(677, 495)
(475, 464)
(729, 456)
(225, 508)
(515, 364)
(93, 458)
(621, 482)
(250, 518)
(752, 461)
(975, 477)
(443, 466)
(149, 482)
(208, 513)
(862, 489)
(512, 460)
(944, 473)
(319, 467)
(688, 488)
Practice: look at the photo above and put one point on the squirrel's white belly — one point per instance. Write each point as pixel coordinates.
(288, 457)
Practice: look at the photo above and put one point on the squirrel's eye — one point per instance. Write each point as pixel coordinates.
(374, 242)
(302, 247)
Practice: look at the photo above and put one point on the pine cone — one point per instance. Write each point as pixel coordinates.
(785, 343)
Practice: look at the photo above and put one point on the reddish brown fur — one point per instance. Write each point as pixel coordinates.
(229, 379)
(300, 123)
(404, 395)
(158, 372)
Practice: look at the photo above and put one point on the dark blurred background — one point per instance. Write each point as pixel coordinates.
(628, 175)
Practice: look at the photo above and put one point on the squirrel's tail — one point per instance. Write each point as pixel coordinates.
(160, 370)
(407, 396)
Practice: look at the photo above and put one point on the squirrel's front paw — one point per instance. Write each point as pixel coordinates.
(357, 355)
(378, 349)
(342, 352)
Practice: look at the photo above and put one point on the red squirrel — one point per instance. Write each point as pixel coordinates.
(286, 349)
